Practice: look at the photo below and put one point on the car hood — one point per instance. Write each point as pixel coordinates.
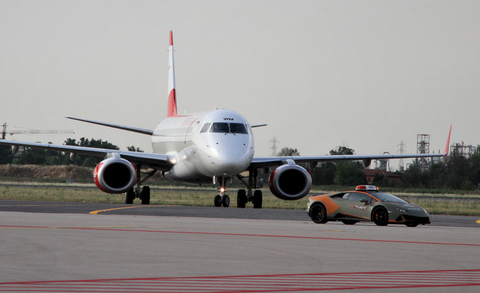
(408, 207)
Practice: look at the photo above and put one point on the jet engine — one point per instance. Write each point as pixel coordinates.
(290, 182)
(115, 175)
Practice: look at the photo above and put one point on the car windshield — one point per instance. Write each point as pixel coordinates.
(385, 197)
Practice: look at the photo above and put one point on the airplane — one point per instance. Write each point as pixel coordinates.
(211, 147)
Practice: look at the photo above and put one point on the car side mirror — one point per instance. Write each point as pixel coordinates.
(365, 201)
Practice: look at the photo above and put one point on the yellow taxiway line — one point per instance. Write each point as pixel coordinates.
(107, 210)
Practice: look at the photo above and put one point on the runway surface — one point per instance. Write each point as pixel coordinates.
(77, 247)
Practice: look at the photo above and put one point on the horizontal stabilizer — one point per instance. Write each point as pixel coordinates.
(258, 125)
(127, 128)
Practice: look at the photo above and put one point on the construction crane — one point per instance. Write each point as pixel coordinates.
(31, 131)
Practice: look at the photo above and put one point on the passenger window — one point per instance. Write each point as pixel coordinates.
(345, 196)
(339, 195)
(205, 127)
(219, 127)
(359, 196)
(238, 128)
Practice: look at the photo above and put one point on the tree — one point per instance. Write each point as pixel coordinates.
(474, 161)
(380, 180)
(89, 161)
(349, 173)
(324, 174)
(6, 154)
(437, 176)
(34, 156)
(342, 173)
(342, 150)
(459, 172)
(288, 152)
(413, 176)
(134, 149)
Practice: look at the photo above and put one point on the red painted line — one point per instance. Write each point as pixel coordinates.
(249, 235)
(262, 283)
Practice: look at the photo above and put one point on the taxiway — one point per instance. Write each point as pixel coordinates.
(66, 247)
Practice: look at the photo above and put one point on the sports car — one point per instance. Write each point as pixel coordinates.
(365, 203)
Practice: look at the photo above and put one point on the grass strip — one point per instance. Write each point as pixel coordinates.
(200, 197)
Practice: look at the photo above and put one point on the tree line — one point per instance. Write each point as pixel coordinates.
(33, 156)
(453, 172)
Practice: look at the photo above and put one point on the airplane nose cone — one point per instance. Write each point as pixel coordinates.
(231, 161)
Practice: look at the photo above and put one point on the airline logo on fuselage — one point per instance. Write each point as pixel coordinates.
(228, 119)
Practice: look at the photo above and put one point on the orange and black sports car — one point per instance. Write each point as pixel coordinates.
(365, 203)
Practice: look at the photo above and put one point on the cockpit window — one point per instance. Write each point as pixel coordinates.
(222, 127)
(205, 127)
(219, 127)
(238, 128)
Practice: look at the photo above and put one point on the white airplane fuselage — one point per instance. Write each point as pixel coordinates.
(205, 145)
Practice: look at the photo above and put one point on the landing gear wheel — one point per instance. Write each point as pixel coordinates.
(130, 196)
(226, 201)
(257, 199)
(318, 213)
(380, 216)
(241, 198)
(145, 195)
(218, 201)
(349, 222)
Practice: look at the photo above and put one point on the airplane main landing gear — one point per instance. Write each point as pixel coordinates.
(133, 193)
(256, 199)
(244, 196)
(137, 192)
(241, 198)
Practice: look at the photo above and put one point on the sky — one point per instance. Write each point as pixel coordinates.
(322, 74)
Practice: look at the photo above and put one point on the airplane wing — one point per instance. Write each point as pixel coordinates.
(158, 161)
(265, 162)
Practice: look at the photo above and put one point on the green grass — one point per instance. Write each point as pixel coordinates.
(194, 196)
(172, 196)
(449, 207)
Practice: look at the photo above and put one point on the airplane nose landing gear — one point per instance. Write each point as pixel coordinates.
(222, 198)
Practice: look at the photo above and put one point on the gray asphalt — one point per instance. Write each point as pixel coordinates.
(82, 247)
(189, 211)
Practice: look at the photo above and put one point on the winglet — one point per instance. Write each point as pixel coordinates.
(448, 142)
(172, 98)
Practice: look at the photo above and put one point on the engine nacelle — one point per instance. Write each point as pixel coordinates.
(290, 182)
(115, 175)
